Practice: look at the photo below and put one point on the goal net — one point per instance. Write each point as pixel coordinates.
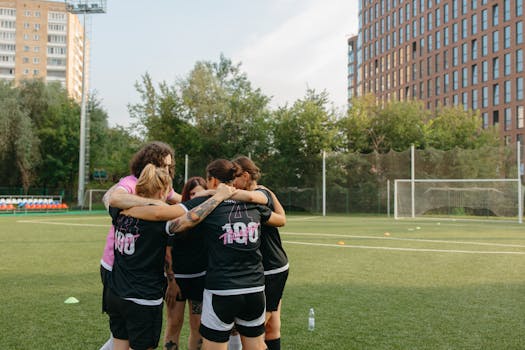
(93, 200)
(458, 199)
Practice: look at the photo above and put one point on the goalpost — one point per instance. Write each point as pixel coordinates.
(458, 199)
(93, 198)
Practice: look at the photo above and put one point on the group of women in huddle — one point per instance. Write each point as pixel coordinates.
(216, 247)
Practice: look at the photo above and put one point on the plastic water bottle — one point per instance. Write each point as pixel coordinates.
(311, 319)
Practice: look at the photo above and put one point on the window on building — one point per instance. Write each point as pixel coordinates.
(484, 46)
(485, 97)
(495, 41)
(455, 80)
(484, 71)
(495, 68)
(519, 8)
(474, 24)
(484, 19)
(464, 53)
(464, 28)
(495, 118)
(474, 99)
(445, 13)
(506, 37)
(464, 77)
(519, 60)
(495, 94)
(455, 33)
(507, 64)
(506, 10)
(485, 120)
(519, 32)
(455, 56)
(474, 74)
(519, 117)
(474, 54)
(508, 91)
(464, 100)
(445, 36)
(519, 88)
(495, 15)
(508, 118)
(446, 82)
(454, 8)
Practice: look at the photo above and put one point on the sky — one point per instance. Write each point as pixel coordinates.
(284, 46)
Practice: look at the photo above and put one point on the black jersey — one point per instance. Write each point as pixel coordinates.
(274, 256)
(232, 235)
(140, 249)
(188, 254)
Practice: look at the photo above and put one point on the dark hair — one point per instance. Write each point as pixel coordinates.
(154, 152)
(246, 164)
(223, 170)
(153, 180)
(190, 185)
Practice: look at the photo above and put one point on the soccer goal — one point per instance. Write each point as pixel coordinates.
(93, 199)
(475, 199)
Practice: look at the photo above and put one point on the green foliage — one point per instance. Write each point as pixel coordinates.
(369, 127)
(18, 143)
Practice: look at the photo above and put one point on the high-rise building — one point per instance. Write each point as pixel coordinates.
(465, 53)
(40, 39)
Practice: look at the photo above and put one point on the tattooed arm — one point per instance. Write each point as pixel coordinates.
(197, 214)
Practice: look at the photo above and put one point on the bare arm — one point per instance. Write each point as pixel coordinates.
(121, 199)
(277, 206)
(107, 195)
(156, 213)
(276, 220)
(241, 195)
(176, 198)
(197, 214)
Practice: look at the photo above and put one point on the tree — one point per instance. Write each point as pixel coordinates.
(300, 134)
(18, 143)
(454, 127)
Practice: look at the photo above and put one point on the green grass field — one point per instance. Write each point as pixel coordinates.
(429, 285)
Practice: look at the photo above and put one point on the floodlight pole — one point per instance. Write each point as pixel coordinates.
(82, 148)
(83, 7)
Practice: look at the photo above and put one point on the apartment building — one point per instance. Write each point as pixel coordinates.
(465, 53)
(40, 39)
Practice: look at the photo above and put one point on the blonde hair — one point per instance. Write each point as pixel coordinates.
(153, 181)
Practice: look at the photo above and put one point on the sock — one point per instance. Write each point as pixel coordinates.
(235, 342)
(108, 345)
(274, 344)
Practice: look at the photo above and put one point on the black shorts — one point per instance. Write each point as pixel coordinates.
(139, 324)
(104, 277)
(274, 288)
(221, 312)
(191, 288)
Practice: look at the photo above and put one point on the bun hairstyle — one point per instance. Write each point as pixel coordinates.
(223, 170)
(190, 185)
(246, 164)
(152, 181)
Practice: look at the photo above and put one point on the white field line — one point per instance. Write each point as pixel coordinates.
(406, 249)
(60, 223)
(403, 239)
(302, 218)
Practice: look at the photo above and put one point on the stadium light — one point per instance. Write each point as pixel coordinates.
(84, 7)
